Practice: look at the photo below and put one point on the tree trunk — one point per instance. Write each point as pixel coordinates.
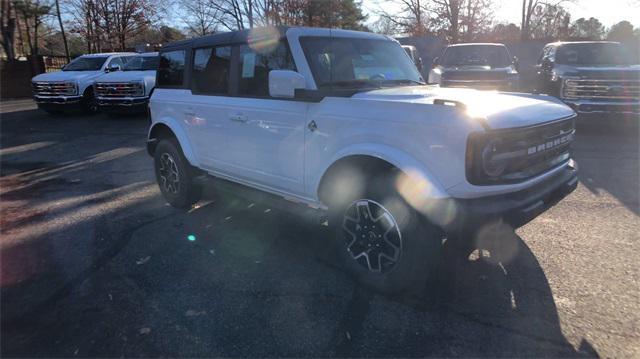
(64, 36)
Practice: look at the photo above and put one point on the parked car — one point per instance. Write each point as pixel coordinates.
(590, 76)
(484, 66)
(341, 121)
(128, 90)
(73, 86)
(414, 55)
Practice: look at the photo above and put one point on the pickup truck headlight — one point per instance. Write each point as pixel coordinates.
(137, 88)
(71, 88)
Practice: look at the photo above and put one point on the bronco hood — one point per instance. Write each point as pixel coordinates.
(496, 109)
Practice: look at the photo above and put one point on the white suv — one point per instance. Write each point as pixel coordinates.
(73, 86)
(128, 90)
(343, 122)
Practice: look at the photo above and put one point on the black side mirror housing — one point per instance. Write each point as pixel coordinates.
(435, 61)
(516, 63)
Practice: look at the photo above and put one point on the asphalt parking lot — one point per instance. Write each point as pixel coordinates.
(94, 263)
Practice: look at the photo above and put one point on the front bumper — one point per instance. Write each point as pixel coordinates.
(591, 106)
(516, 209)
(57, 100)
(123, 101)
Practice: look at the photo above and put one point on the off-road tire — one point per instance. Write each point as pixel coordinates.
(420, 240)
(175, 176)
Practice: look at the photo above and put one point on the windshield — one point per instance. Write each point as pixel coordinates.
(86, 64)
(356, 62)
(592, 54)
(477, 55)
(142, 63)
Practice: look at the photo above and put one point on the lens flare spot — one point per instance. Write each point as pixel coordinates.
(417, 190)
(263, 40)
(191, 237)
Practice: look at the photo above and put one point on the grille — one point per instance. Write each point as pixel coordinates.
(527, 152)
(54, 88)
(119, 89)
(601, 89)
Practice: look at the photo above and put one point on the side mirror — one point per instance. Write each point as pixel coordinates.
(435, 61)
(283, 83)
(516, 63)
(112, 68)
(547, 63)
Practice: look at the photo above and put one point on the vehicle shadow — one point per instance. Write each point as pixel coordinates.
(480, 306)
(606, 149)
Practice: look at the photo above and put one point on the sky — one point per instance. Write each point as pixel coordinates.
(608, 12)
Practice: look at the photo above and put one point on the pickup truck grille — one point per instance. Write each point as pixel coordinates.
(602, 89)
(54, 88)
(119, 89)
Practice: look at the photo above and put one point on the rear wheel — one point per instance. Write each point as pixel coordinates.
(383, 242)
(175, 176)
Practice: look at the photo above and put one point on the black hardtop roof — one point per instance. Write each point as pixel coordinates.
(223, 38)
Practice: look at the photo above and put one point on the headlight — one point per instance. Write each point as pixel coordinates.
(71, 88)
(492, 163)
(138, 88)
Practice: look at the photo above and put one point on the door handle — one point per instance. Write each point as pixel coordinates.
(190, 113)
(238, 118)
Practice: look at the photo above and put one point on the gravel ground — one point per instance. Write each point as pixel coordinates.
(94, 263)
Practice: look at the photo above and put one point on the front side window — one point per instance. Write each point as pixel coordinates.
(211, 69)
(142, 63)
(92, 63)
(356, 62)
(256, 64)
(476, 55)
(171, 68)
(116, 61)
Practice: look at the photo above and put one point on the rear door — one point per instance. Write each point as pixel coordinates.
(208, 110)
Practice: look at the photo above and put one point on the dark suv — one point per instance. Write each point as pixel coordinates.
(485, 66)
(594, 76)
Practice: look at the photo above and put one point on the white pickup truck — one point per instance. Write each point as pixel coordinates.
(343, 122)
(128, 90)
(73, 86)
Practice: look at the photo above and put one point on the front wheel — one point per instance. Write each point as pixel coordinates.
(383, 242)
(175, 175)
(90, 103)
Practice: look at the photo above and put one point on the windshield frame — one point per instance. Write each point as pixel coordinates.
(414, 78)
(127, 65)
(87, 58)
(508, 59)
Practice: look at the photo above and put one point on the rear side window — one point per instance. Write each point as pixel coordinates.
(255, 65)
(171, 69)
(211, 69)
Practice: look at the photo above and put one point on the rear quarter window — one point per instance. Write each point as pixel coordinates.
(171, 69)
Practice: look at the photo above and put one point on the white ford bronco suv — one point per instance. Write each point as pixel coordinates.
(343, 122)
(128, 90)
(73, 86)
